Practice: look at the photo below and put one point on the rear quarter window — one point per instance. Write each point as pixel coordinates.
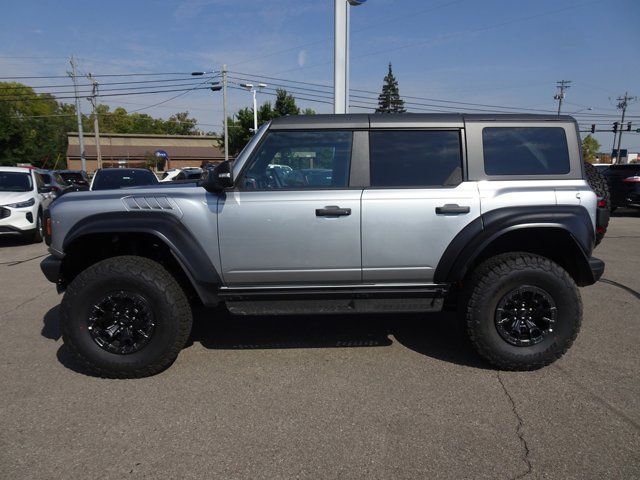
(525, 151)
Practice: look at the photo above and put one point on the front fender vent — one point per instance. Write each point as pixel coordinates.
(155, 202)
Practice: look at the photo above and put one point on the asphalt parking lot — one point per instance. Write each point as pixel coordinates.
(324, 397)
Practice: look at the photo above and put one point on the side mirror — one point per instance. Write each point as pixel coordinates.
(219, 178)
(45, 189)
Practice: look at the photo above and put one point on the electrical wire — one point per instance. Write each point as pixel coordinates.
(90, 93)
(107, 95)
(297, 98)
(488, 107)
(104, 83)
(101, 75)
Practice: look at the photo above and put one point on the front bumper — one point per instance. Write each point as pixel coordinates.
(18, 220)
(51, 267)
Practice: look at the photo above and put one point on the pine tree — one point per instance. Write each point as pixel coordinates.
(389, 100)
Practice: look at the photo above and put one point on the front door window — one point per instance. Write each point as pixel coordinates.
(300, 160)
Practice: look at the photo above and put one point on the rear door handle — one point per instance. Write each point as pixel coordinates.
(452, 208)
(332, 211)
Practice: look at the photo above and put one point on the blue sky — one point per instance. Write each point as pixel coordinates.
(499, 52)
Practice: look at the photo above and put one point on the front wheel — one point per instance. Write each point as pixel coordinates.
(37, 234)
(125, 317)
(524, 311)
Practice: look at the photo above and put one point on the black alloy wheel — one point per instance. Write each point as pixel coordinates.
(525, 315)
(121, 322)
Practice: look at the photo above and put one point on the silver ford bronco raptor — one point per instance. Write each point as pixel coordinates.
(495, 215)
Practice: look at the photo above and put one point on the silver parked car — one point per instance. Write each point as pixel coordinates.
(342, 213)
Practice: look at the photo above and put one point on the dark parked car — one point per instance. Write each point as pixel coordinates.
(115, 178)
(75, 177)
(56, 183)
(624, 185)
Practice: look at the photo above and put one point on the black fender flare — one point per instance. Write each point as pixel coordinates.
(168, 228)
(472, 240)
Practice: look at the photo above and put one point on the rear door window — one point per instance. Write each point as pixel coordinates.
(415, 158)
(525, 151)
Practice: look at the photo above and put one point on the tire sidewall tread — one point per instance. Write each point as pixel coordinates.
(171, 308)
(500, 274)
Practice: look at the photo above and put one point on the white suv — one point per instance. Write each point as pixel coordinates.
(23, 199)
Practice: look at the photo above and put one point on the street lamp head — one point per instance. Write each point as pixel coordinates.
(355, 3)
(248, 86)
(196, 74)
(262, 85)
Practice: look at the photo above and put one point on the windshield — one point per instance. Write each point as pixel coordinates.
(74, 177)
(15, 182)
(122, 178)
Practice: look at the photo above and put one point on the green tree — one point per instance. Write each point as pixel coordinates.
(181, 124)
(389, 100)
(241, 124)
(590, 148)
(285, 104)
(32, 126)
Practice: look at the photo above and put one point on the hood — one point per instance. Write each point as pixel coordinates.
(15, 197)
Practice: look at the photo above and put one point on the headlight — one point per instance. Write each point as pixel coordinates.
(28, 203)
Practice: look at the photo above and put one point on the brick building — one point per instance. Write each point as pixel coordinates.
(135, 150)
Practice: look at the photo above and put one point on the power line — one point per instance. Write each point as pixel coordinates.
(168, 85)
(105, 95)
(297, 97)
(250, 76)
(104, 83)
(101, 75)
(172, 98)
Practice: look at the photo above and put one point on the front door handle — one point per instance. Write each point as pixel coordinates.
(452, 208)
(332, 211)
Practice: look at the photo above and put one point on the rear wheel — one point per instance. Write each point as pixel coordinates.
(125, 317)
(598, 184)
(524, 311)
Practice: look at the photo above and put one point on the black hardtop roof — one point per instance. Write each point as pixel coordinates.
(364, 120)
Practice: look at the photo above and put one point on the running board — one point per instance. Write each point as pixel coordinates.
(334, 300)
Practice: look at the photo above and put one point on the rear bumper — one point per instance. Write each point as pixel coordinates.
(51, 267)
(602, 218)
(597, 268)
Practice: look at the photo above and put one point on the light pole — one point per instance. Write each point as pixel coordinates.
(254, 90)
(341, 55)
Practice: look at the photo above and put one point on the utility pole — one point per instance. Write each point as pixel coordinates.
(96, 128)
(562, 86)
(224, 111)
(623, 103)
(73, 74)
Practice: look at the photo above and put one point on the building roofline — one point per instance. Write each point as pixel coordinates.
(146, 135)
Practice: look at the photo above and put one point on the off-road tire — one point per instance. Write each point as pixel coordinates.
(492, 280)
(599, 185)
(140, 276)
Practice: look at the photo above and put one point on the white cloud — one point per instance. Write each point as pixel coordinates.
(302, 58)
